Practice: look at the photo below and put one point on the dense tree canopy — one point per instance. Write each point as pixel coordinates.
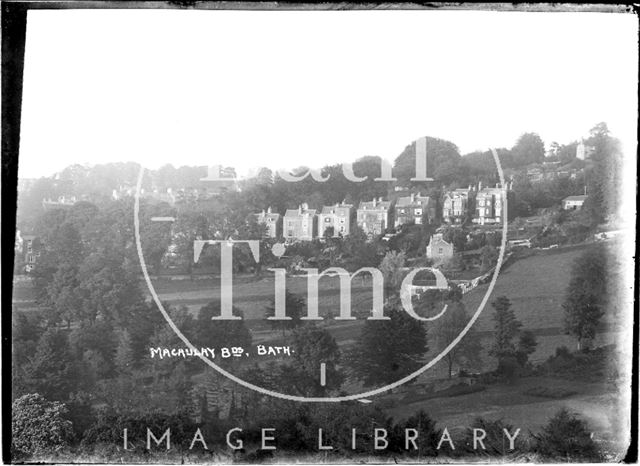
(388, 350)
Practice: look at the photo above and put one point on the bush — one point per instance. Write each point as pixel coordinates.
(496, 442)
(38, 425)
(563, 351)
(108, 429)
(428, 435)
(567, 437)
(586, 366)
(508, 368)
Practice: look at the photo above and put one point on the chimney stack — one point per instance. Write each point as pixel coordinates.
(269, 210)
(375, 202)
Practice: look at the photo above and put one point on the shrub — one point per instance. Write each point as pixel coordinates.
(563, 351)
(567, 437)
(428, 436)
(496, 442)
(508, 368)
(38, 425)
(108, 428)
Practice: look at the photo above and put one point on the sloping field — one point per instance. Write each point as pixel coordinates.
(536, 287)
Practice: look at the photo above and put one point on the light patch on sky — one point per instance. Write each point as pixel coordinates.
(284, 89)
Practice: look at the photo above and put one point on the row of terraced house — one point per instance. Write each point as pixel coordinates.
(484, 206)
(374, 217)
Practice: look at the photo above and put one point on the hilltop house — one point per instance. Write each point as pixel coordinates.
(30, 247)
(583, 151)
(439, 250)
(413, 208)
(489, 204)
(334, 220)
(271, 220)
(373, 216)
(61, 202)
(573, 202)
(299, 224)
(456, 204)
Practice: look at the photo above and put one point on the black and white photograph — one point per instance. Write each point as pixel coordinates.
(289, 233)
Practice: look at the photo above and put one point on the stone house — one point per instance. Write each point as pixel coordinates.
(456, 204)
(439, 250)
(573, 202)
(271, 220)
(490, 205)
(373, 216)
(413, 208)
(335, 219)
(299, 224)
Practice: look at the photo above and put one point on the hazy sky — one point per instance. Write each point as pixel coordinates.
(282, 89)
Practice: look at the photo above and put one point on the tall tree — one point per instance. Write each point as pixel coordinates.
(604, 180)
(387, 350)
(506, 328)
(294, 306)
(443, 161)
(53, 371)
(526, 346)
(586, 293)
(392, 270)
(313, 346)
(528, 149)
(124, 359)
(447, 328)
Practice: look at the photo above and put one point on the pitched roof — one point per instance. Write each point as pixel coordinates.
(329, 209)
(297, 213)
(487, 191)
(438, 239)
(379, 205)
(406, 200)
(580, 197)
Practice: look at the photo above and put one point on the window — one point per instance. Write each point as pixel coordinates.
(439, 250)
(31, 259)
(418, 212)
(327, 220)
